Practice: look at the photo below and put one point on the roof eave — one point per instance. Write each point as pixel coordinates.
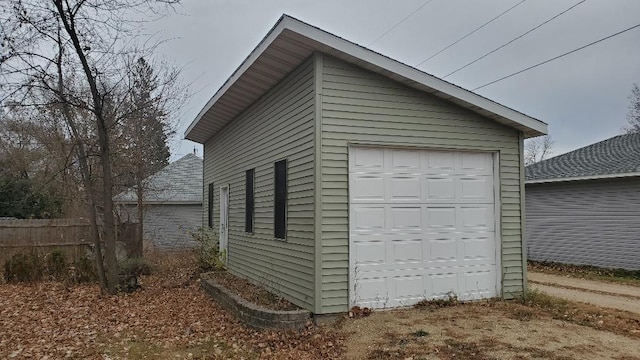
(320, 40)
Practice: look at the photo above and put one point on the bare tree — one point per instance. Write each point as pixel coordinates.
(537, 149)
(58, 47)
(633, 115)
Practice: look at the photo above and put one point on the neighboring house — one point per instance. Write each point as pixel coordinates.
(172, 204)
(583, 207)
(337, 176)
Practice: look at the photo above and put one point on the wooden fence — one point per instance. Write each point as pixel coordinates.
(71, 236)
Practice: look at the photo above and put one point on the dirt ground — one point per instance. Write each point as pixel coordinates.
(492, 330)
(604, 294)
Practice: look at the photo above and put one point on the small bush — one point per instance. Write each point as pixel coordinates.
(208, 253)
(82, 270)
(28, 267)
(56, 265)
(135, 267)
(130, 269)
(23, 268)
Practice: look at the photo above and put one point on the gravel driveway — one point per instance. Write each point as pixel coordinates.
(603, 294)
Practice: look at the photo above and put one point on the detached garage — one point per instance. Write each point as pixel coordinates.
(336, 176)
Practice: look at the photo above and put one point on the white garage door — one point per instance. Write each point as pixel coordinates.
(422, 226)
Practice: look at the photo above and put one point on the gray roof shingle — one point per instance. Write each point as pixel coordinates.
(618, 155)
(178, 182)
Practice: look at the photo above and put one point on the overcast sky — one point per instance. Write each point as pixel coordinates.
(583, 96)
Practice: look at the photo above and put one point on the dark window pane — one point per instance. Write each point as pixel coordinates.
(280, 200)
(249, 204)
(210, 212)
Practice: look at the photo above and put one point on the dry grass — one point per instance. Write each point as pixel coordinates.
(620, 276)
(541, 327)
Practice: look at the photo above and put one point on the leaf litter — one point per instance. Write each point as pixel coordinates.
(169, 317)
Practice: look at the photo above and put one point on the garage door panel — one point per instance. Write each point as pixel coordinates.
(442, 249)
(367, 159)
(369, 253)
(478, 248)
(479, 284)
(372, 291)
(440, 218)
(439, 161)
(403, 188)
(405, 219)
(476, 218)
(422, 226)
(476, 163)
(408, 251)
(367, 188)
(440, 285)
(404, 161)
(408, 287)
(438, 188)
(478, 188)
(368, 218)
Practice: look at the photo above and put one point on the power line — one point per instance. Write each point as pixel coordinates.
(470, 33)
(512, 40)
(398, 24)
(557, 57)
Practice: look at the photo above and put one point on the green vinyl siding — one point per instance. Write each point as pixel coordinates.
(280, 125)
(361, 107)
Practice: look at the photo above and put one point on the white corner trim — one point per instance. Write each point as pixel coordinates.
(579, 178)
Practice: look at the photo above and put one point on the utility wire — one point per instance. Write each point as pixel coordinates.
(512, 40)
(470, 33)
(398, 24)
(557, 57)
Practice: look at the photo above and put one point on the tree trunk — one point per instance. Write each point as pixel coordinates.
(109, 223)
(84, 172)
(68, 20)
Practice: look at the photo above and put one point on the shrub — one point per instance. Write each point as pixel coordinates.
(56, 265)
(27, 267)
(208, 253)
(135, 267)
(23, 267)
(82, 270)
(130, 269)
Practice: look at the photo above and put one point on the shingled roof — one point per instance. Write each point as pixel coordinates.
(178, 183)
(618, 156)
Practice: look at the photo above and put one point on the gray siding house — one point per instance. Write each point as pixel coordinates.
(583, 207)
(172, 204)
(337, 176)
